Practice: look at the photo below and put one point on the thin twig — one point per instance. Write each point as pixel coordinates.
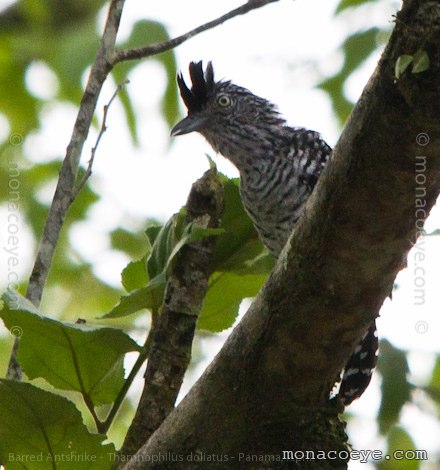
(153, 49)
(88, 172)
(62, 199)
(68, 175)
(143, 356)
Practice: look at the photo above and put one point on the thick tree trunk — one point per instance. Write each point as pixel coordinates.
(267, 390)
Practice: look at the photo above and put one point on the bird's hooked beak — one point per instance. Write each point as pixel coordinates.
(192, 122)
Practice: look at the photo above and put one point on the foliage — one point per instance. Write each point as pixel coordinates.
(41, 430)
(240, 265)
(419, 61)
(89, 360)
(149, 32)
(64, 38)
(70, 357)
(393, 367)
(28, 32)
(399, 442)
(356, 49)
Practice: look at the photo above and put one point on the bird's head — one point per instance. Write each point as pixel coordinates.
(230, 117)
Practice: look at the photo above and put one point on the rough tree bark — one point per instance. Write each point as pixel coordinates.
(170, 351)
(267, 390)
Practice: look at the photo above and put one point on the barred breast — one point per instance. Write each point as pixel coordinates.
(275, 189)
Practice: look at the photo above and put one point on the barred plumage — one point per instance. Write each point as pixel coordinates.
(279, 167)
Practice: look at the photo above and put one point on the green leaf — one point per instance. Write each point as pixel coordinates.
(212, 164)
(170, 102)
(134, 275)
(261, 264)
(356, 48)
(402, 64)
(39, 176)
(87, 294)
(70, 357)
(6, 342)
(146, 279)
(80, 52)
(148, 297)
(344, 4)
(239, 242)
(393, 367)
(40, 430)
(334, 87)
(238, 250)
(241, 264)
(435, 378)
(15, 101)
(168, 241)
(152, 232)
(44, 32)
(197, 232)
(130, 114)
(433, 387)
(164, 243)
(399, 442)
(132, 243)
(420, 62)
(146, 32)
(222, 301)
(434, 232)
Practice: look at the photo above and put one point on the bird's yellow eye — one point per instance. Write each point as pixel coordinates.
(224, 101)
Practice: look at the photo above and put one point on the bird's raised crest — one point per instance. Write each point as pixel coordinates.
(201, 89)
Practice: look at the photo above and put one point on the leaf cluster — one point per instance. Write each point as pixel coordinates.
(356, 49)
(240, 265)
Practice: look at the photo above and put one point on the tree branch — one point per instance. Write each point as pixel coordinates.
(170, 352)
(267, 390)
(88, 172)
(143, 356)
(64, 193)
(153, 49)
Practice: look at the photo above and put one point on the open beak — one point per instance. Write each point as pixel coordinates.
(191, 123)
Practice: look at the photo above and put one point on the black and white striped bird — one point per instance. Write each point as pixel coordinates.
(279, 167)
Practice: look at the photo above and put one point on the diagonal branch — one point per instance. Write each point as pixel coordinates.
(267, 390)
(153, 49)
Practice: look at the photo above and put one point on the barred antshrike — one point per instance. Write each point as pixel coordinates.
(279, 167)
